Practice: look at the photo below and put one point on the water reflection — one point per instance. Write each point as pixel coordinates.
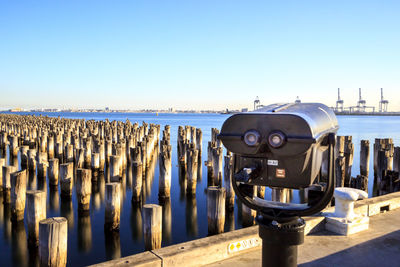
(112, 245)
(19, 244)
(67, 211)
(191, 216)
(84, 232)
(7, 221)
(165, 203)
(54, 198)
(136, 221)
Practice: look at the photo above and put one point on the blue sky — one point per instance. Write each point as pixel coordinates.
(196, 54)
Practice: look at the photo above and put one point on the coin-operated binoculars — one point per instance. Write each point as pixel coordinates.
(281, 146)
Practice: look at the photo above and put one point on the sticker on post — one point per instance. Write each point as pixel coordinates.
(280, 173)
(243, 244)
(272, 162)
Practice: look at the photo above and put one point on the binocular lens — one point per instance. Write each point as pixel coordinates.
(251, 138)
(276, 139)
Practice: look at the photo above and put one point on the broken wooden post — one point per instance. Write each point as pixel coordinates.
(228, 172)
(112, 207)
(83, 188)
(7, 170)
(152, 228)
(137, 180)
(191, 159)
(215, 209)
(66, 179)
(364, 157)
(53, 237)
(35, 212)
(24, 157)
(165, 166)
(18, 195)
(32, 159)
(53, 171)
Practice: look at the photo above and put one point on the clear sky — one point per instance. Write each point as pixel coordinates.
(197, 54)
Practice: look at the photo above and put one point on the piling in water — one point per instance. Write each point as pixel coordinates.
(83, 188)
(53, 237)
(35, 212)
(152, 226)
(112, 207)
(53, 171)
(18, 195)
(215, 209)
(137, 180)
(66, 179)
(165, 165)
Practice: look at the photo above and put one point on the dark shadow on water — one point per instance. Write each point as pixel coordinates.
(112, 245)
(381, 251)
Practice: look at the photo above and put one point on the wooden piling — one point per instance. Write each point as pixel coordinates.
(50, 147)
(83, 188)
(18, 195)
(152, 226)
(53, 237)
(66, 179)
(35, 212)
(217, 165)
(112, 207)
(13, 146)
(165, 165)
(2, 164)
(32, 159)
(7, 170)
(95, 162)
(364, 157)
(137, 180)
(53, 171)
(24, 157)
(192, 156)
(396, 159)
(114, 168)
(215, 209)
(228, 173)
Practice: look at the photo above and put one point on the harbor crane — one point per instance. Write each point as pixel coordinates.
(339, 102)
(383, 104)
(361, 102)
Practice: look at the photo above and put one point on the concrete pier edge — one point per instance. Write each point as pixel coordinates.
(215, 248)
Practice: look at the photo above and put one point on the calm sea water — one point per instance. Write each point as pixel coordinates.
(87, 243)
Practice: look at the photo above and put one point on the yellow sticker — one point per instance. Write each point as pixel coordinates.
(243, 244)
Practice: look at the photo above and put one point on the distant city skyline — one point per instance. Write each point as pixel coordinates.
(196, 55)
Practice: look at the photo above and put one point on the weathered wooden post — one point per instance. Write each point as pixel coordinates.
(152, 230)
(215, 209)
(360, 182)
(348, 153)
(66, 179)
(50, 147)
(83, 188)
(165, 166)
(95, 162)
(80, 158)
(32, 159)
(217, 165)
(364, 157)
(396, 159)
(18, 195)
(114, 168)
(53, 171)
(137, 180)
(42, 169)
(35, 212)
(53, 237)
(2, 164)
(228, 172)
(69, 153)
(7, 170)
(192, 156)
(112, 207)
(13, 146)
(24, 157)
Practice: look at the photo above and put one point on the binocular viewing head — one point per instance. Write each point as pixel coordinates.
(280, 145)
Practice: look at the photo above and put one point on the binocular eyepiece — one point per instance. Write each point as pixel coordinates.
(279, 145)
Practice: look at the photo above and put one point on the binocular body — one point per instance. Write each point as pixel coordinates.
(279, 145)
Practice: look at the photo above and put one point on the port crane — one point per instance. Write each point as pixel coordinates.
(383, 104)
